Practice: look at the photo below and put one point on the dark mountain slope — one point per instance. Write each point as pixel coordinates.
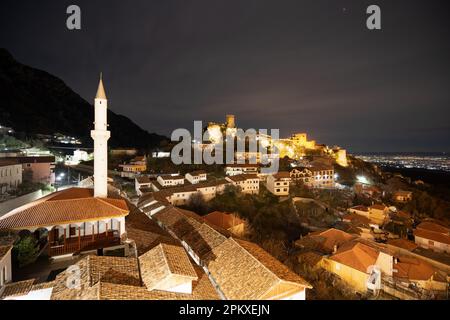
(33, 101)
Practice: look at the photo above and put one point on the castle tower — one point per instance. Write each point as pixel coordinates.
(230, 121)
(100, 134)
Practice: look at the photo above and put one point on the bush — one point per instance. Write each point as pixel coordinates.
(27, 250)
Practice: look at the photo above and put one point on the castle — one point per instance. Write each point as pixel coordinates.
(295, 147)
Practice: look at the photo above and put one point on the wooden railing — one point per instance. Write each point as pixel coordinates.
(84, 243)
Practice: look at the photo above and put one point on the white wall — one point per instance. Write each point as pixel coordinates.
(298, 296)
(11, 176)
(5, 267)
(43, 294)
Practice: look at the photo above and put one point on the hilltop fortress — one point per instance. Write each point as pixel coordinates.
(294, 147)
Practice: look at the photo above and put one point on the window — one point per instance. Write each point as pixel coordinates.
(430, 243)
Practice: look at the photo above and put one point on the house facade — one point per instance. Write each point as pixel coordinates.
(402, 196)
(10, 175)
(142, 183)
(196, 176)
(5, 265)
(170, 181)
(235, 169)
(248, 183)
(278, 183)
(433, 236)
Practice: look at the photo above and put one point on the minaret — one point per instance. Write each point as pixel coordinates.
(100, 134)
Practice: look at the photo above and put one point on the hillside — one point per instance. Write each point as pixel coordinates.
(34, 101)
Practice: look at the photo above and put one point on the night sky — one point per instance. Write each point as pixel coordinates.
(300, 66)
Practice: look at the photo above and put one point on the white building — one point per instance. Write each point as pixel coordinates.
(248, 183)
(433, 236)
(10, 175)
(247, 156)
(322, 176)
(170, 181)
(5, 262)
(196, 176)
(77, 157)
(317, 176)
(235, 169)
(142, 183)
(278, 183)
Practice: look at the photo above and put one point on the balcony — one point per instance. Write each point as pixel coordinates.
(83, 243)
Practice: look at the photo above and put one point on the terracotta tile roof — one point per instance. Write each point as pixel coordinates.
(92, 270)
(31, 159)
(43, 285)
(378, 207)
(434, 227)
(360, 208)
(356, 219)
(400, 216)
(202, 289)
(275, 266)
(17, 288)
(349, 227)
(433, 231)
(163, 261)
(224, 220)
(282, 175)
(203, 239)
(4, 250)
(197, 173)
(356, 255)
(58, 210)
(72, 193)
(310, 258)
(6, 243)
(414, 269)
(328, 239)
(147, 240)
(402, 243)
(242, 165)
(171, 177)
(237, 269)
(143, 179)
(176, 222)
(242, 177)
(434, 236)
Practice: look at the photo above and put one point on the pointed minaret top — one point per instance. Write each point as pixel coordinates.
(101, 90)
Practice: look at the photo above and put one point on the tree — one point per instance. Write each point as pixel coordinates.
(27, 250)
(198, 204)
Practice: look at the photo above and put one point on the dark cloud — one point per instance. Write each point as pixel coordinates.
(295, 65)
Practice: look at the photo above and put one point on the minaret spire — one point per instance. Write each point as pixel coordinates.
(101, 90)
(100, 134)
